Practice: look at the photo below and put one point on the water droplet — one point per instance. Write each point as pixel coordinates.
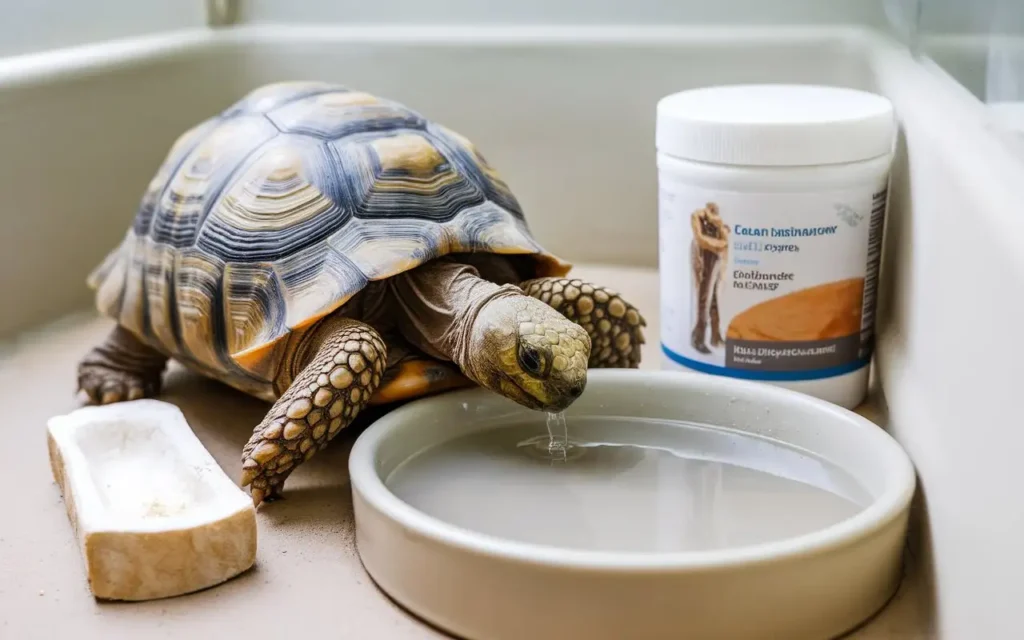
(558, 431)
(556, 447)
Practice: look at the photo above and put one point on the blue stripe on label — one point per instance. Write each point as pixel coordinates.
(777, 376)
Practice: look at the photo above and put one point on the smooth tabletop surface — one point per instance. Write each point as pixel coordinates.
(308, 580)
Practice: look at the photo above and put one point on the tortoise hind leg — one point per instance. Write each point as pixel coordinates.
(614, 325)
(121, 368)
(324, 397)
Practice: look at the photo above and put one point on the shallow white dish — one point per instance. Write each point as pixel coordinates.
(154, 514)
(478, 586)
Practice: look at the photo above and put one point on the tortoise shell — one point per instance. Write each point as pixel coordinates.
(273, 214)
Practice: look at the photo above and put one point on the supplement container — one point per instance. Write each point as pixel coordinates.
(772, 200)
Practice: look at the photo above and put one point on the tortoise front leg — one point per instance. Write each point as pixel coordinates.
(121, 368)
(325, 397)
(615, 326)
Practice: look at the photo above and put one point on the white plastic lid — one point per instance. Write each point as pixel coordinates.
(775, 125)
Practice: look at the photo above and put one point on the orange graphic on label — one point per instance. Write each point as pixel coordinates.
(824, 312)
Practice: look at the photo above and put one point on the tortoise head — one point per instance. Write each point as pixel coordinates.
(527, 351)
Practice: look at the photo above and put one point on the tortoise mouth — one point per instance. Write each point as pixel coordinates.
(512, 389)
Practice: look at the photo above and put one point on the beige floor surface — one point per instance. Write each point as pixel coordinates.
(307, 582)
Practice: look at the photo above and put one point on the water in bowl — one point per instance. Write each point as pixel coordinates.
(627, 484)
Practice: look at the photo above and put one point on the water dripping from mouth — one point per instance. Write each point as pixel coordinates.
(556, 446)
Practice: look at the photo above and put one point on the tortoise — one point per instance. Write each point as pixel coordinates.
(325, 249)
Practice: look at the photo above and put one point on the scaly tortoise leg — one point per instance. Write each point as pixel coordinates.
(325, 397)
(121, 368)
(614, 325)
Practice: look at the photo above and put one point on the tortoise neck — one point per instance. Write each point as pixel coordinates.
(437, 306)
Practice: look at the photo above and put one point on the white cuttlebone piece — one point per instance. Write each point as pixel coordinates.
(154, 514)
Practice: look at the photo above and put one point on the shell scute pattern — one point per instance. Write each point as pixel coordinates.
(472, 164)
(200, 319)
(202, 175)
(158, 284)
(398, 173)
(313, 277)
(265, 99)
(273, 214)
(335, 115)
(253, 304)
(282, 202)
(181, 147)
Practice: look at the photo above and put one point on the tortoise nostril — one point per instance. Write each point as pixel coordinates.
(577, 389)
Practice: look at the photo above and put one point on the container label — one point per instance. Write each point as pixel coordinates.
(769, 286)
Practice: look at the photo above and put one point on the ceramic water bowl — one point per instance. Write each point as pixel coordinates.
(782, 516)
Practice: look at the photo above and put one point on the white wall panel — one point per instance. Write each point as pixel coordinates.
(567, 116)
(36, 25)
(566, 11)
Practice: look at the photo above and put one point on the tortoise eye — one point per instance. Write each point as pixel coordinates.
(531, 361)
